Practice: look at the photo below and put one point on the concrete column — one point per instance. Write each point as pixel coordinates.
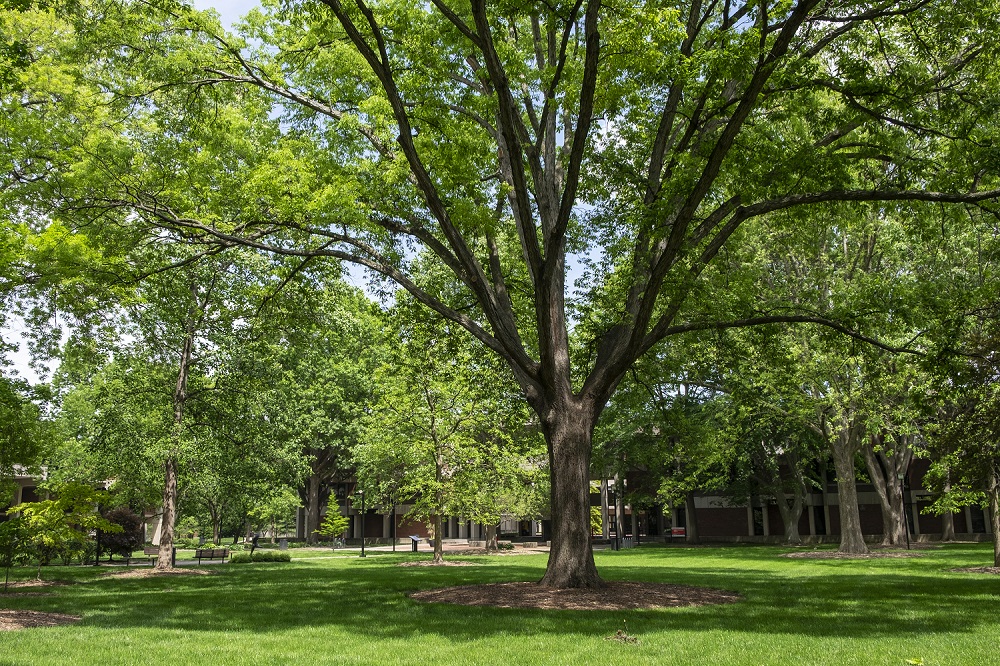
(358, 534)
(767, 523)
(635, 522)
(385, 526)
(749, 517)
(968, 520)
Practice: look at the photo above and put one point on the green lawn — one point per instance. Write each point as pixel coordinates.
(353, 611)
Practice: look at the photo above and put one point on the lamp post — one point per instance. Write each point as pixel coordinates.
(362, 494)
(901, 475)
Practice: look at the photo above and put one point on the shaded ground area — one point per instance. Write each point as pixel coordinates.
(985, 570)
(834, 555)
(12, 620)
(616, 595)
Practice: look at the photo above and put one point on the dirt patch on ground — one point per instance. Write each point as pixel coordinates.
(21, 584)
(834, 555)
(985, 570)
(153, 573)
(431, 563)
(12, 620)
(8, 595)
(614, 596)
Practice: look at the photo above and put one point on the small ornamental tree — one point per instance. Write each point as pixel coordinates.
(11, 550)
(62, 526)
(128, 539)
(334, 525)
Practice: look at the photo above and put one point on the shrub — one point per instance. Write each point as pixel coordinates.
(260, 556)
(505, 545)
(129, 539)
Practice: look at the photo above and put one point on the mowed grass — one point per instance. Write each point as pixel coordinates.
(355, 611)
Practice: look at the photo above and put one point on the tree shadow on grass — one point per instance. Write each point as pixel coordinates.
(369, 598)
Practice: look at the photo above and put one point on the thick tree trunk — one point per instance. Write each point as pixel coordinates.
(165, 556)
(844, 446)
(571, 558)
(491, 539)
(790, 514)
(312, 508)
(691, 516)
(884, 467)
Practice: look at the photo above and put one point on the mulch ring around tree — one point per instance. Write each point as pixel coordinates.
(615, 595)
(153, 573)
(835, 555)
(983, 570)
(12, 620)
(29, 588)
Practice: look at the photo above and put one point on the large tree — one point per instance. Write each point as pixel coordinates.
(505, 140)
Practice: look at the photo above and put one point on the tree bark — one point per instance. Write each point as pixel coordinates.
(884, 466)
(164, 559)
(790, 515)
(691, 516)
(993, 491)
(312, 509)
(571, 558)
(215, 512)
(438, 532)
(491, 539)
(947, 518)
(844, 445)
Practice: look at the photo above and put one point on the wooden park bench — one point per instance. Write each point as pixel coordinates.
(211, 554)
(150, 554)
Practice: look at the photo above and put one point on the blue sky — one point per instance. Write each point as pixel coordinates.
(229, 10)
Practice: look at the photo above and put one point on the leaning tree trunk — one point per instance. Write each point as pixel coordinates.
(568, 434)
(844, 446)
